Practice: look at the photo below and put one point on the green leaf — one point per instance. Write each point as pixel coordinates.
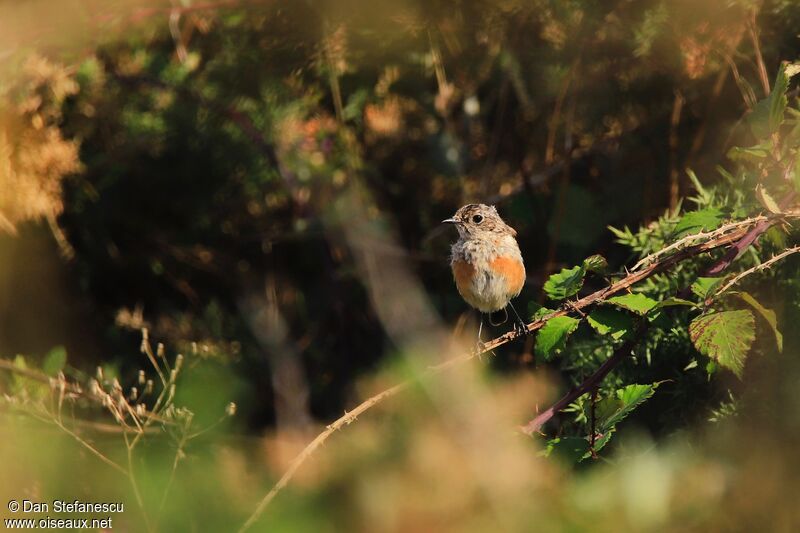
(596, 263)
(54, 361)
(672, 302)
(768, 314)
(565, 284)
(570, 449)
(725, 337)
(696, 221)
(610, 411)
(767, 201)
(609, 321)
(702, 287)
(777, 97)
(767, 115)
(636, 302)
(24, 386)
(553, 336)
(752, 154)
(537, 311)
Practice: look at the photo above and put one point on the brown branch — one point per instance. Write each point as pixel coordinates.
(751, 237)
(595, 297)
(587, 385)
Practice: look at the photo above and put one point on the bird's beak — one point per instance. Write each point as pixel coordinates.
(450, 221)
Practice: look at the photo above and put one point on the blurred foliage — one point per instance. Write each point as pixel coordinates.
(199, 172)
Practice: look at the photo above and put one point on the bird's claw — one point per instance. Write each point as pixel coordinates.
(520, 328)
(480, 350)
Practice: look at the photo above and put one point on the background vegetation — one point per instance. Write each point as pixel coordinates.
(259, 185)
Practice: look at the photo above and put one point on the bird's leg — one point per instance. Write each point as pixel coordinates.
(519, 325)
(480, 346)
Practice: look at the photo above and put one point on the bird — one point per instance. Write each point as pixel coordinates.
(486, 262)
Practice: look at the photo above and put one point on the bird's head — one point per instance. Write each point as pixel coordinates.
(474, 220)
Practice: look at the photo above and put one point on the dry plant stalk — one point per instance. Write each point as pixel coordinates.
(133, 419)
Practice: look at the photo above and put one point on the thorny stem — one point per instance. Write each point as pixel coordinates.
(587, 385)
(735, 250)
(597, 296)
(766, 264)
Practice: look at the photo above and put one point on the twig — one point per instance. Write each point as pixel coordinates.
(697, 237)
(757, 268)
(89, 447)
(322, 437)
(586, 301)
(760, 228)
(587, 385)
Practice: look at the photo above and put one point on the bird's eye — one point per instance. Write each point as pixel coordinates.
(477, 219)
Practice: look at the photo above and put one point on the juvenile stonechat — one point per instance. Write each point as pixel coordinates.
(486, 261)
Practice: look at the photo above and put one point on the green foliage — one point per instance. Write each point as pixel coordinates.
(565, 283)
(635, 302)
(696, 221)
(608, 412)
(724, 336)
(596, 263)
(568, 449)
(612, 410)
(54, 361)
(608, 321)
(767, 314)
(207, 176)
(768, 115)
(704, 287)
(552, 338)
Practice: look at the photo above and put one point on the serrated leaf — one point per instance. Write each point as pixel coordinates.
(599, 443)
(767, 201)
(611, 410)
(636, 302)
(777, 98)
(54, 361)
(767, 115)
(553, 336)
(596, 263)
(537, 311)
(609, 321)
(702, 287)
(696, 221)
(768, 314)
(725, 337)
(565, 283)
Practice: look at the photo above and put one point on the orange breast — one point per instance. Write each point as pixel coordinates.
(511, 269)
(463, 273)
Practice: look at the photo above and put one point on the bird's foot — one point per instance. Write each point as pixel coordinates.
(521, 328)
(480, 350)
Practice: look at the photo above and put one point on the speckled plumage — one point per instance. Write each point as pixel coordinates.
(486, 260)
